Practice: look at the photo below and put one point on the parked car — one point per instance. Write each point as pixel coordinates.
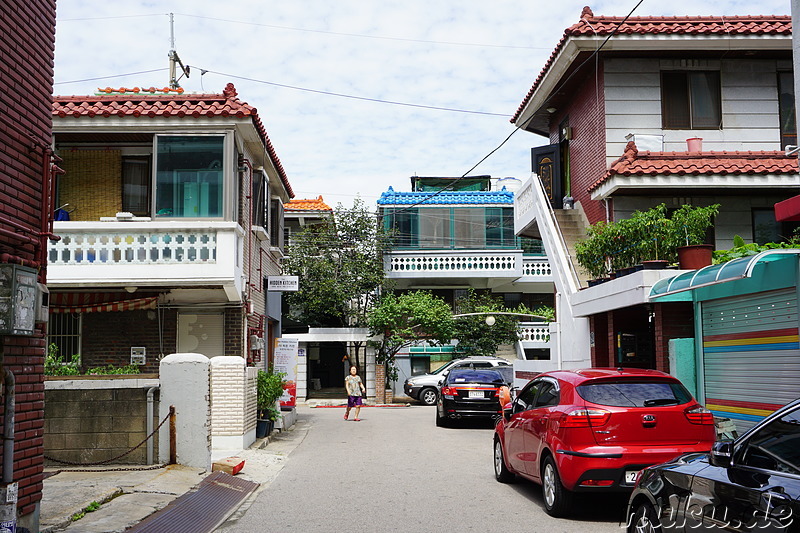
(594, 429)
(425, 387)
(472, 393)
(750, 484)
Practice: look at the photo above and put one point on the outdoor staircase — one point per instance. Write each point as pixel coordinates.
(573, 228)
(506, 351)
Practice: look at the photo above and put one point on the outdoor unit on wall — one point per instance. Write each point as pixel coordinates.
(19, 300)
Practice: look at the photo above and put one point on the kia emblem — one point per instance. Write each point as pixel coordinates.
(649, 420)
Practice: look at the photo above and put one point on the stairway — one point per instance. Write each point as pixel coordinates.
(506, 351)
(573, 228)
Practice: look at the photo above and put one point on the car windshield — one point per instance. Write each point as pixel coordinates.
(468, 375)
(507, 372)
(634, 393)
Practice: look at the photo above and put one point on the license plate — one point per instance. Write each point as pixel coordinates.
(630, 476)
(476, 394)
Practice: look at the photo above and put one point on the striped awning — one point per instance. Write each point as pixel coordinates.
(92, 302)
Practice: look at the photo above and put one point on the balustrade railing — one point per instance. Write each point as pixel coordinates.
(533, 331)
(134, 247)
(536, 267)
(427, 262)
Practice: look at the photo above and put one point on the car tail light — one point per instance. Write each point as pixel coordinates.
(699, 415)
(597, 482)
(584, 418)
(449, 392)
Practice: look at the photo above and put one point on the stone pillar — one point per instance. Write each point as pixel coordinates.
(185, 384)
(380, 383)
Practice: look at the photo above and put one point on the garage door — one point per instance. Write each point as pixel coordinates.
(751, 357)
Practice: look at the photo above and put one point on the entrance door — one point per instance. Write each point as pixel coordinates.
(201, 333)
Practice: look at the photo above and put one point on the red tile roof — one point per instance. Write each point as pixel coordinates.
(302, 204)
(591, 25)
(152, 102)
(636, 163)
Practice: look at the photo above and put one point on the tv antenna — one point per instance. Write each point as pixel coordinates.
(173, 57)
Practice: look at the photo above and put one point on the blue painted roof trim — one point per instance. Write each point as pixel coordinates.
(392, 197)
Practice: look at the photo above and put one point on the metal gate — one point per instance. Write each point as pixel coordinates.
(751, 357)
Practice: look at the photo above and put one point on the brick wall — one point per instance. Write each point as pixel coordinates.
(672, 321)
(27, 40)
(587, 149)
(107, 337)
(232, 391)
(91, 425)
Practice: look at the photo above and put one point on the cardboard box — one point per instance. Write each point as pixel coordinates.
(229, 465)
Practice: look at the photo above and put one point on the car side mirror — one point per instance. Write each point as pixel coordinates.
(507, 409)
(721, 453)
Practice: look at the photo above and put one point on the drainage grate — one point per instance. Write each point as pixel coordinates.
(202, 510)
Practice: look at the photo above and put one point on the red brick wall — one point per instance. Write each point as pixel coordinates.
(587, 149)
(107, 337)
(672, 321)
(27, 40)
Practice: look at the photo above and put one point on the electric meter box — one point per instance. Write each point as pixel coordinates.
(18, 300)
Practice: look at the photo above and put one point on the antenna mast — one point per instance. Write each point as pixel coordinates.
(173, 57)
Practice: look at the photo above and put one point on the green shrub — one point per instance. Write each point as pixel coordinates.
(54, 365)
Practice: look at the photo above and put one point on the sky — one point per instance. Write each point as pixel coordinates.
(328, 77)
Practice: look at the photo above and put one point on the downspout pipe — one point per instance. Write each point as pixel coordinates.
(150, 412)
(9, 403)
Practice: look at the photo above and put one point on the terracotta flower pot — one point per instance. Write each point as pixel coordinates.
(695, 256)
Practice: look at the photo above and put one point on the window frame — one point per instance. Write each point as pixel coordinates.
(688, 103)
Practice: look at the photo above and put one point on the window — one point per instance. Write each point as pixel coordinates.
(64, 330)
(136, 185)
(526, 397)
(631, 393)
(767, 229)
(548, 395)
(468, 226)
(786, 109)
(690, 100)
(276, 224)
(775, 446)
(189, 176)
(260, 200)
(434, 228)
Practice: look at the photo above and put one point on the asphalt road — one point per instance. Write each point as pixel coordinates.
(396, 471)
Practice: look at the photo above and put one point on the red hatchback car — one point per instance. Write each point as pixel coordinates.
(594, 429)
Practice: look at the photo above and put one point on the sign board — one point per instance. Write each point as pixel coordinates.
(286, 362)
(283, 283)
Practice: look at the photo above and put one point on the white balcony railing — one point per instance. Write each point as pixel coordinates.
(533, 333)
(152, 253)
(537, 268)
(426, 264)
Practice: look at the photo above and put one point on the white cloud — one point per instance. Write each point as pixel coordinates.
(341, 147)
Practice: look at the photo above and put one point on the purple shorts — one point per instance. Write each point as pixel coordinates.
(353, 401)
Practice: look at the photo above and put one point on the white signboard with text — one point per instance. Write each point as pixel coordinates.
(283, 283)
(286, 362)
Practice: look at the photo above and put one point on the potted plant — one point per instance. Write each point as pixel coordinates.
(653, 231)
(690, 224)
(269, 387)
(592, 253)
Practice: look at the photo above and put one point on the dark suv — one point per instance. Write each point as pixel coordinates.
(472, 393)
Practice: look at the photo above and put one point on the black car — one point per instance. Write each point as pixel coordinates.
(750, 484)
(471, 393)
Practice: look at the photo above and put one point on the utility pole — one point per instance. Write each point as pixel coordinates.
(173, 57)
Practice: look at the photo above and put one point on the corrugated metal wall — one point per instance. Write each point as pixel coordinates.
(751, 356)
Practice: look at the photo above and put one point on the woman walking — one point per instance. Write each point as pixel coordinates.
(355, 388)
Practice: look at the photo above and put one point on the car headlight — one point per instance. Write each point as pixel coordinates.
(410, 383)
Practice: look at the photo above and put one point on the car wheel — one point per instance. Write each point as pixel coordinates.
(428, 396)
(557, 499)
(644, 520)
(501, 471)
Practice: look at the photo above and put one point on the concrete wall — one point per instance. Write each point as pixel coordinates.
(92, 420)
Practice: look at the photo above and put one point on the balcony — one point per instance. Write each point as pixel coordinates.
(152, 254)
(502, 266)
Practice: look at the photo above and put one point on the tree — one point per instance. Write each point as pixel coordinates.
(407, 319)
(474, 336)
(340, 266)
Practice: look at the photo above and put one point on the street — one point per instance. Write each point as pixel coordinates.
(396, 471)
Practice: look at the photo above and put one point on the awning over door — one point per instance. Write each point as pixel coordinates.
(742, 267)
(788, 210)
(92, 302)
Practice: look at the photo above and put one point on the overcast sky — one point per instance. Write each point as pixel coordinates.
(477, 58)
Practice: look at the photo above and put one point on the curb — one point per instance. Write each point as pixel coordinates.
(339, 406)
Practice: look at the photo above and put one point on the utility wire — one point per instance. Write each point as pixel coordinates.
(342, 95)
(519, 127)
(112, 76)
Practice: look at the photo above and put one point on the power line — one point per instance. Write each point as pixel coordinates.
(342, 95)
(112, 76)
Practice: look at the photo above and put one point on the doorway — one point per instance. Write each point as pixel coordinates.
(327, 368)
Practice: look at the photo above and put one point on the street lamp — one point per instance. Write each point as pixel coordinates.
(490, 320)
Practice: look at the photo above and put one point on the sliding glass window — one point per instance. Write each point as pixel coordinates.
(189, 176)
